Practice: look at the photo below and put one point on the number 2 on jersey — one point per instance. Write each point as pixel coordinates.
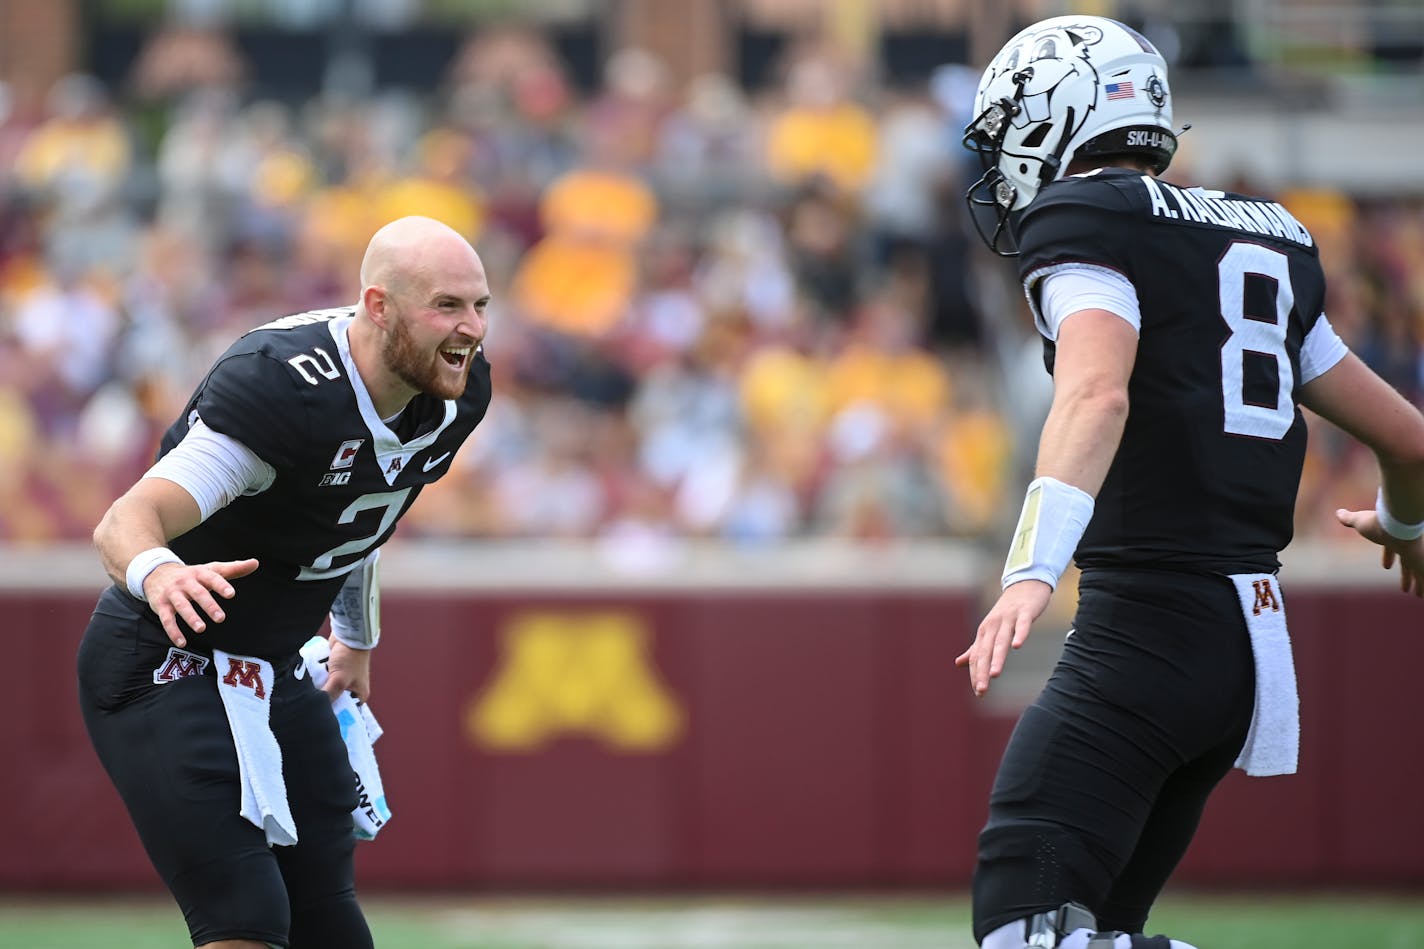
(1255, 334)
(390, 503)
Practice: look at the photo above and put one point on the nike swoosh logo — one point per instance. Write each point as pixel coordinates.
(429, 463)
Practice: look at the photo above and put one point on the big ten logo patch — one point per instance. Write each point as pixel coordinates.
(575, 673)
(1265, 597)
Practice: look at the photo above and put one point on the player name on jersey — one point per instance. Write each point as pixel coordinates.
(1214, 207)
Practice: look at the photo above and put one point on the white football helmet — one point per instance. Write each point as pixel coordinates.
(1066, 87)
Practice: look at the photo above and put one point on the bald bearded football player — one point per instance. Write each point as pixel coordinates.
(273, 492)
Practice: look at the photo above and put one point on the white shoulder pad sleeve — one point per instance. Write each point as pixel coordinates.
(215, 469)
(1321, 350)
(1070, 288)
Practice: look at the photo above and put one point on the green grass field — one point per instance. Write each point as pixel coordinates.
(1315, 921)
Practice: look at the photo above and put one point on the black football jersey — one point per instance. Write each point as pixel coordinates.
(1206, 475)
(290, 392)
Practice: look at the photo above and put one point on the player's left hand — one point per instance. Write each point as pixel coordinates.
(1409, 553)
(348, 670)
(1006, 626)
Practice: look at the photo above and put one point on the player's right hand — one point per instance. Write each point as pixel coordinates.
(1006, 627)
(1409, 553)
(174, 590)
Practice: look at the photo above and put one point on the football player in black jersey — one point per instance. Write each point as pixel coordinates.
(272, 494)
(1183, 328)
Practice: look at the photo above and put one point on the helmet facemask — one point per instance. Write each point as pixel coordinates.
(994, 197)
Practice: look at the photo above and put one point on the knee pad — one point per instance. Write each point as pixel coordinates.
(335, 923)
(234, 899)
(1026, 866)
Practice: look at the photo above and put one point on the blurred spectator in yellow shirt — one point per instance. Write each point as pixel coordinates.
(438, 187)
(81, 153)
(821, 131)
(581, 277)
(882, 366)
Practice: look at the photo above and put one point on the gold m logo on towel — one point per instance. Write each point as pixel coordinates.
(1265, 598)
(563, 673)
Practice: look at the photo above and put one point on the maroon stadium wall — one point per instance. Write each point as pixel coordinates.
(724, 738)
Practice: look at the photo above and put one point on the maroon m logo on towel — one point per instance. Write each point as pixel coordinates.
(240, 672)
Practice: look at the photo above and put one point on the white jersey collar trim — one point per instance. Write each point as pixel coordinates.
(392, 454)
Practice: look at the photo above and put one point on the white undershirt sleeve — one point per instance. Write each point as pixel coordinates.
(356, 611)
(1321, 350)
(1070, 288)
(215, 469)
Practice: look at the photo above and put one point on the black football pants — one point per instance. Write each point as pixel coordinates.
(169, 751)
(1104, 779)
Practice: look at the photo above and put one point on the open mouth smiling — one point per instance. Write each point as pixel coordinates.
(456, 356)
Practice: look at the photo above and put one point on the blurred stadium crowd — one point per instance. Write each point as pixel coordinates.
(717, 314)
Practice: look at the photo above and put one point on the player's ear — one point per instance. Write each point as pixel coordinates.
(373, 300)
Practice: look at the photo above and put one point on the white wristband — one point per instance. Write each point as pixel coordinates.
(1392, 525)
(346, 639)
(1052, 522)
(145, 563)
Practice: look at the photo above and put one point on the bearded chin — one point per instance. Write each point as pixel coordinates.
(414, 368)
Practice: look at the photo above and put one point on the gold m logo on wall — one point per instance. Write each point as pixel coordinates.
(584, 673)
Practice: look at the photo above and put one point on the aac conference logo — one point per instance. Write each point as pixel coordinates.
(575, 673)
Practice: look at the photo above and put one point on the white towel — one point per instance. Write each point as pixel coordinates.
(359, 730)
(1273, 742)
(245, 684)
